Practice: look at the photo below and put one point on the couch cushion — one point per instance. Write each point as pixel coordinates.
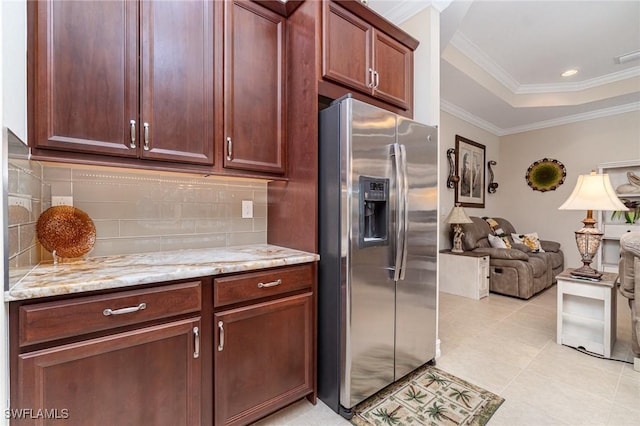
(506, 226)
(539, 266)
(475, 234)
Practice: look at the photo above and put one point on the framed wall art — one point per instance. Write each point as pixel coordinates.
(470, 161)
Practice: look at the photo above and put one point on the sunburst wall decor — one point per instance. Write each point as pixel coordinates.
(546, 175)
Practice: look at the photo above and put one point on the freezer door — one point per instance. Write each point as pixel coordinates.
(368, 365)
(416, 290)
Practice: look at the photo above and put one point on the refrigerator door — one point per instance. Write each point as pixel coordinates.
(416, 290)
(369, 305)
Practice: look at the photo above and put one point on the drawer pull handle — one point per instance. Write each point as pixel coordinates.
(270, 284)
(229, 149)
(146, 136)
(221, 336)
(132, 125)
(107, 312)
(196, 342)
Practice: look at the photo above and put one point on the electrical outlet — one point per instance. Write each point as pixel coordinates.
(25, 202)
(61, 201)
(247, 209)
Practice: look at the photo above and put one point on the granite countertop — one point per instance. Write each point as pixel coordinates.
(99, 273)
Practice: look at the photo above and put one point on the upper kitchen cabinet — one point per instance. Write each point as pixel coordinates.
(366, 53)
(123, 78)
(255, 113)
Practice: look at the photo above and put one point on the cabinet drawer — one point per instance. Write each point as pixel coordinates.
(55, 320)
(617, 231)
(240, 288)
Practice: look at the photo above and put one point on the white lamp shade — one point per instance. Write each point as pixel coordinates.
(457, 215)
(593, 192)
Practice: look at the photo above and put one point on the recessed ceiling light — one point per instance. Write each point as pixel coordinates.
(569, 73)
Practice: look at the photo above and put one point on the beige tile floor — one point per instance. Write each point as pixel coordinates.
(508, 346)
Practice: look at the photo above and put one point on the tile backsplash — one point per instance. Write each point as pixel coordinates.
(28, 196)
(141, 211)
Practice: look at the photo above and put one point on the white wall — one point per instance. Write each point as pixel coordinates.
(14, 66)
(4, 335)
(580, 147)
(13, 93)
(425, 26)
(450, 126)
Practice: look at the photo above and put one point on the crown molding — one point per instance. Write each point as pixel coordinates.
(484, 61)
(604, 112)
(580, 85)
(485, 125)
(403, 10)
(464, 115)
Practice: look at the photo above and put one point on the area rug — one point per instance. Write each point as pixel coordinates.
(428, 396)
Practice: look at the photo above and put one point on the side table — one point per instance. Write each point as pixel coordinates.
(586, 315)
(464, 274)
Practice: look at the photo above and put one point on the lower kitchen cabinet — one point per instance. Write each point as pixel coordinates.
(262, 358)
(149, 376)
(264, 351)
(157, 355)
(132, 357)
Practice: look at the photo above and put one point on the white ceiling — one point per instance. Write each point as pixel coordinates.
(501, 60)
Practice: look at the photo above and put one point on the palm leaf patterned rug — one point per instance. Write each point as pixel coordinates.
(428, 396)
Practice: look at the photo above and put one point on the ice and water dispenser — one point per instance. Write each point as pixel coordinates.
(374, 211)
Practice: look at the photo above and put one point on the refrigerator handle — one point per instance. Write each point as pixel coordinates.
(405, 210)
(399, 230)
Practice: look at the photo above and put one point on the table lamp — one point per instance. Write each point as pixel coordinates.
(456, 217)
(592, 192)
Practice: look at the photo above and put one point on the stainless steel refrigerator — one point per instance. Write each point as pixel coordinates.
(377, 243)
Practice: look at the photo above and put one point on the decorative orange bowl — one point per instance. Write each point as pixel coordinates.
(68, 231)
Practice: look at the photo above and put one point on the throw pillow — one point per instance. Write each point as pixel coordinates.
(495, 228)
(496, 242)
(531, 240)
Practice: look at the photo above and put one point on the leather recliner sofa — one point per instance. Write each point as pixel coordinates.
(629, 285)
(517, 271)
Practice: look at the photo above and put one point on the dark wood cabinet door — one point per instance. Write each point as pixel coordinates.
(255, 88)
(85, 75)
(263, 358)
(393, 63)
(141, 377)
(177, 81)
(346, 49)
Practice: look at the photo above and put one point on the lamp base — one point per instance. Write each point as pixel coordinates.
(457, 239)
(585, 271)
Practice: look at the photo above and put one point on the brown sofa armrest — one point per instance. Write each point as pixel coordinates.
(501, 253)
(627, 273)
(550, 246)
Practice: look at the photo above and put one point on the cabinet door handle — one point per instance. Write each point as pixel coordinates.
(146, 137)
(270, 284)
(376, 74)
(132, 126)
(196, 342)
(108, 312)
(229, 149)
(220, 336)
(371, 73)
